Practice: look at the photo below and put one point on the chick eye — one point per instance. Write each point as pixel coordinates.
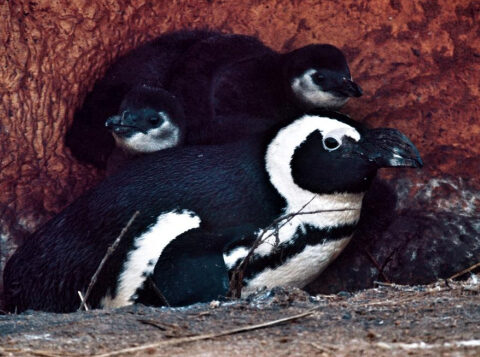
(154, 120)
(317, 77)
(331, 144)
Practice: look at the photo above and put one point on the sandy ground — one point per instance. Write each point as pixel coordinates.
(434, 320)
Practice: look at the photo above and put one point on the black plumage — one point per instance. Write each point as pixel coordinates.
(196, 202)
(230, 86)
(149, 64)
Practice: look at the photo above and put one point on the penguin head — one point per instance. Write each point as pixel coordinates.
(327, 152)
(150, 119)
(319, 77)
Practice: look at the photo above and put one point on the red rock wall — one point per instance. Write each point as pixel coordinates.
(418, 62)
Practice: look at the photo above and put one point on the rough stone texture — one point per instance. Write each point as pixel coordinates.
(410, 233)
(418, 62)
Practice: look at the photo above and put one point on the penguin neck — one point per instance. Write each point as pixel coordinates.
(324, 211)
(293, 104)
(332, 209)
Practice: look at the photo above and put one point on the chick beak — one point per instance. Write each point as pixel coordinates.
(113, 121)
(387, 147)
(349, 88)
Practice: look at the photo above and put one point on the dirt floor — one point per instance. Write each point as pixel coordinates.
(441, 319)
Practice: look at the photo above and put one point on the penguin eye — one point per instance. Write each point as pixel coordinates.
(154, 120)
(330, 143)
(318, 78)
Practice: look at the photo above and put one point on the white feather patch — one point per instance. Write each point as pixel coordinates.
(299, 270)
(328, 210)
(232, 257)
(311, 94)
(147, 249)
(279, 155)
(165, 136)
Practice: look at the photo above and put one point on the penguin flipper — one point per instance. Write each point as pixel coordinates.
(190, 269)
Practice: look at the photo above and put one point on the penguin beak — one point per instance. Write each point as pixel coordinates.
(349, 88)
(387, 147)
(113, 121)
(118, 126)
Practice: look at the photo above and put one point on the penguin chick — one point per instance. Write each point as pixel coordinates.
(320, 164)
(319, 77)
(259, 89)
(231, 86)
(150, 119)
(150, 63)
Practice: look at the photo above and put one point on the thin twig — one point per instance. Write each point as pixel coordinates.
(152, 323)
(109, 252)
(43, 353)
(465, 271)
(389, 284)
(374, 261)
(157, 291)
(207, 336)
(235, 288)
(82, 299)
(324, 347)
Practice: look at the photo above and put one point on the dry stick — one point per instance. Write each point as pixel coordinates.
(374, 261)
(207, 336)
(389, 284)
(465, 271)
(324, 347)
(43, 353)
(82, 299)
(110, 250)
(152, 323)
(235, 288)
(157, 291)
(237, 276)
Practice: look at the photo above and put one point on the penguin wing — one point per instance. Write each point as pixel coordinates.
(190, 269)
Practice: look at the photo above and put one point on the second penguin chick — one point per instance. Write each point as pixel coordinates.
(319, 77)
(150, 119)
(249, 95)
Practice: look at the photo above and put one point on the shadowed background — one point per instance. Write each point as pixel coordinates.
(418, 63)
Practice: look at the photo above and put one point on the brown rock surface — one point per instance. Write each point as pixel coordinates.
(418, 62)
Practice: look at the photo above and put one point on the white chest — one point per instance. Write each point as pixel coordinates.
(301, 269)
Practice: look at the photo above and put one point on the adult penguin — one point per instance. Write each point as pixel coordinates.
(201, 210)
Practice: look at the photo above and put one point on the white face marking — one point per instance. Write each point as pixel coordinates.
(314, 258)
(163, 137)
(281, 150)
(310, 94)
(299, 270)
(147, 248)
